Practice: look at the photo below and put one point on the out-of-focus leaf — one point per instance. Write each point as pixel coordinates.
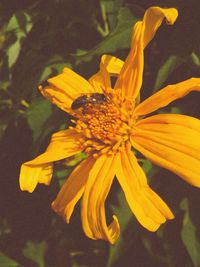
(4, 121)
(188, 235)
(147, 166)
(4, 228)
(195, 59)
(111, 5)
(61, 175)
(122, 211)
(72, 161)
(7, 262)
(36, 252)
(37, 114)
(110, 10)
(13, 24)
(13, 53)
(2, 38)
(176, 110)
(165, 70)
(20, 29)
(4, 85)
(118, 39)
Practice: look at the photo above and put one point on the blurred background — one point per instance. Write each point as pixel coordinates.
(39, 38)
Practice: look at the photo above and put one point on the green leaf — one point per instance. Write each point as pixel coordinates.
(176, 110)
(74, 160)
(4, 121)
(61, 175)
(37, 114)
(13, 23)
(36, 252)
(122, 211)
(165, 70)
(109, 10)
(188, 235)
(147, 166)
(111, 5)
(13, 53)
(20, 24)
(118, 39)
(7, 262)
(195, 59)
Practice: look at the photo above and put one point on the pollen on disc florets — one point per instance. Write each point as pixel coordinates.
(106, 126)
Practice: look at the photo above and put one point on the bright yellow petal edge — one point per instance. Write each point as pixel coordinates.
(131, 75)
(107, 131)
(39, 170)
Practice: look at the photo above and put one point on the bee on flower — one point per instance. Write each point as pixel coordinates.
(109, 122)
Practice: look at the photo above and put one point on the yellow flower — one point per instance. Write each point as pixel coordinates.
(107, 129)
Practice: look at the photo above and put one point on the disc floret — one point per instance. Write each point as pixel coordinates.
(106, 126)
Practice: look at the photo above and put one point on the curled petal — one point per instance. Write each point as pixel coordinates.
(63, 144)
(149, 209)
(64, 88)
(93, 204)
(130, 77)
(72, 189)
(171, 141)
(167, 95)
(153, 18)
(109, 66)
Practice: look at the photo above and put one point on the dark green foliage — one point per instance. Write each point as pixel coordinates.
(39, 38)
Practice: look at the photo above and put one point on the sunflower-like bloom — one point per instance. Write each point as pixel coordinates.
(106, 131)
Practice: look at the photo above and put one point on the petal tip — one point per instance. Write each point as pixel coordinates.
(27, 179)
(28, 189)
(173, 15)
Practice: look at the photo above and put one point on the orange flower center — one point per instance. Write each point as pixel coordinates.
(106, 126)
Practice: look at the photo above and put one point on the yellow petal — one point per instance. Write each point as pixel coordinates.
(113, 64)
(93, 204)
(130, 77)
(39, 170)
(168, 94)
(64, 88)
(171, 141)
(149, 209)
(109, 66)
(153, 18)
(46, 174)
(72, 189)
(29, 177)
(159, 203)
(63, 144)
